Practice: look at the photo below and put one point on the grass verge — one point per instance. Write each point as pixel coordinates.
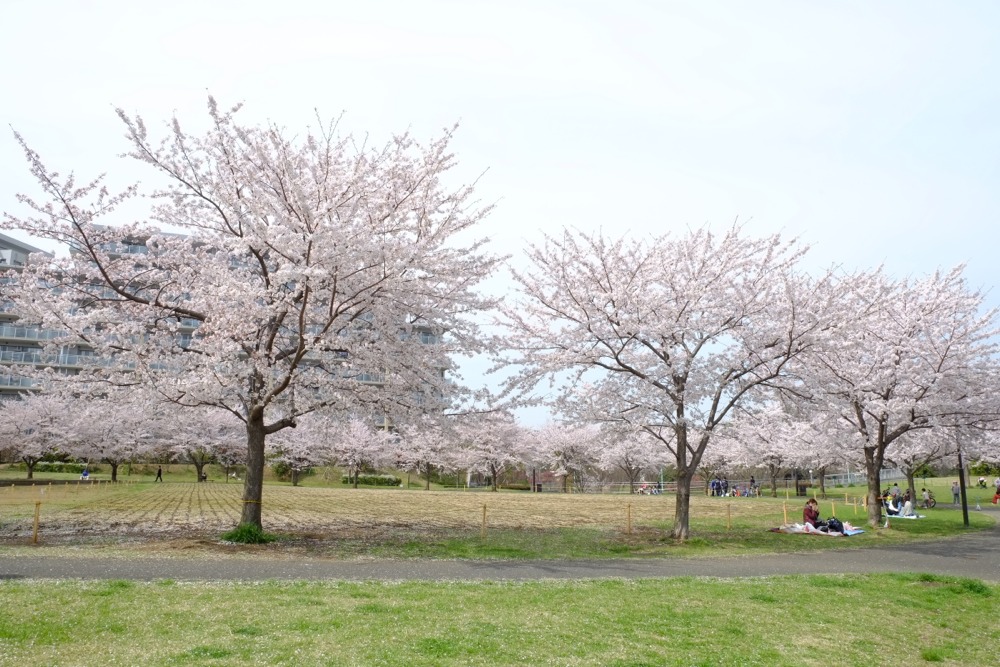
(793, 620)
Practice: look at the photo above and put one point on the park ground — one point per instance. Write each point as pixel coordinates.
(542, 579)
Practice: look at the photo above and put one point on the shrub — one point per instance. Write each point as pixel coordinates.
(374, 480)
(283, 471)
(45, 466)
(248, 533)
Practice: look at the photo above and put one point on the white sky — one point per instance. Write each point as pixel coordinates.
(869, 129)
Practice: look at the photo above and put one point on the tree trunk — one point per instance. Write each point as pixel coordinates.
(911, 482)
(427, 475)
(873, 468)
(295, 477)
(773, 472)
(822, 481)
(114, 471)
(253, 484)
(682, 506)
(685, 472)
(198, 465)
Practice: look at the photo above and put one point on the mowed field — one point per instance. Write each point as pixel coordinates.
(211, 507)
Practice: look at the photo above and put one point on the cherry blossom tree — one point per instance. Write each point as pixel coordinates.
(632, 453)
(905, 355)
(763, 439)
(919, 448)
(359, 445)
(426, 445)
(666, 335)
(113, 428)
(568, 450)
(491, 444)
(199, 436)
(310, 270)
(302, 448)
(34, 427)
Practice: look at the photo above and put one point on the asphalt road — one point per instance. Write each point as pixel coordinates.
(976, 555)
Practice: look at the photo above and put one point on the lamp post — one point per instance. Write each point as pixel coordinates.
(961, 482)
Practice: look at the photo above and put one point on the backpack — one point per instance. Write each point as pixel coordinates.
(834, 525)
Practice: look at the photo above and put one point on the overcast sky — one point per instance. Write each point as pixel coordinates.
(868, 129)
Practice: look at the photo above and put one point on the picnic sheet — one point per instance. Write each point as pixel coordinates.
(806, 529)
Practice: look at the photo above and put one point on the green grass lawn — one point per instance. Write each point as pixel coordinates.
(794, 621)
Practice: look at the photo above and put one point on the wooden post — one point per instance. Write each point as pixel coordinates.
(785, 504)
(482, 530)
(729, 516)
(833, 508)
(628, 519)
(34, 534)
(845, 497)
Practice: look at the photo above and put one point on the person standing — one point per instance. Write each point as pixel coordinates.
(956, 493)
(925, 495)
(159, 474)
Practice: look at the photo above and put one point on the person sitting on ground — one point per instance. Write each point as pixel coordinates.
(891, 507)
(810, 515)
(907, 508)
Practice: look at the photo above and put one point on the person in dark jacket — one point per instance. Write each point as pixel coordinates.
(810, 513)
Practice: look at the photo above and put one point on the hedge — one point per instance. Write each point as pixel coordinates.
(44, 466)
(374, 480)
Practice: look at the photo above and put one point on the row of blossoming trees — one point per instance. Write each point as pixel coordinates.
(130, 427)
(313, 274)
(724, 345)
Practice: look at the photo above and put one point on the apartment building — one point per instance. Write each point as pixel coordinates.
(19, 344)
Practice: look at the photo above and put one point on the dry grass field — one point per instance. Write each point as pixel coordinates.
(210, 508)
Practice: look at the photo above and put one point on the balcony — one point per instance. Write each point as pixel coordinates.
(23, 383)
(42, 359)
(30, 333)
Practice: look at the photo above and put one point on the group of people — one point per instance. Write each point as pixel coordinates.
(721, 487)
(899, 503)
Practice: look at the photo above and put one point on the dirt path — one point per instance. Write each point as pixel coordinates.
(975, 555)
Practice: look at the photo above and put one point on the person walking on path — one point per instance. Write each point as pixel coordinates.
(956, 493)
(159, 474)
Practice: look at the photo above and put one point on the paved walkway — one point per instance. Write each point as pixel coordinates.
(976, 555)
